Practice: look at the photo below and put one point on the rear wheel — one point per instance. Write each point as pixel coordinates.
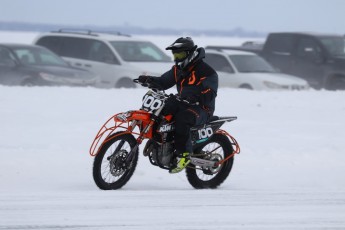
(336, 83)
(217, 148)
(110, 170)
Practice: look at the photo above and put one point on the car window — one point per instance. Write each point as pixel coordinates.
(251, 64)
(280, 44)
(86, 49)
(6, 58)
(50, 42)
(308, 49)
(37, 56)
(139, 51)
(334, 45)
(219, 63)
(25, 56)
(100, 52)
(47, 58)
(75, 47)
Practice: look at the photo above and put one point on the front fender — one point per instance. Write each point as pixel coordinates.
(119, 123)
(140, 115)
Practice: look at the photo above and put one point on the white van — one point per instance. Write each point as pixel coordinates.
(116, 58)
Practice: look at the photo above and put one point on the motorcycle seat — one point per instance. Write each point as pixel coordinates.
(213, 118)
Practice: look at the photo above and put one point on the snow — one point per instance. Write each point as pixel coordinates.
(290, 173)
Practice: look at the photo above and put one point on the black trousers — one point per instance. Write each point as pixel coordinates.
(185, 116)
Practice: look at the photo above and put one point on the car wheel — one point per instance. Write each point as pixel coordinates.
(336, 82)
(125, 83)
(28, 82)
(246, 86)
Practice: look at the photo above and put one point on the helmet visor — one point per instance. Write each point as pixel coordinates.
(179, 56)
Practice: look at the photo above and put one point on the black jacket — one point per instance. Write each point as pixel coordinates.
(197, 82)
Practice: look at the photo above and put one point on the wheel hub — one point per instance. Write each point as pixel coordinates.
(215, 169)
(117, 163)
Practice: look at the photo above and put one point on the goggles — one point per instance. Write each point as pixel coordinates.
(180, 55)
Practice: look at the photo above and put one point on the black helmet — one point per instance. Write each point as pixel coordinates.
(182, 48)
(182, 44)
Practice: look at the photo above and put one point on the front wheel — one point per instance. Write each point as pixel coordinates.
(29, 82)
(110, 170)
(217, 148)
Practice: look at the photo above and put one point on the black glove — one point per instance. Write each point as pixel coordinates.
(171, 99)
(144, 79)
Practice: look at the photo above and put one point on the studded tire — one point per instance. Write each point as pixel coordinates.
(200, 178)
(106, 175)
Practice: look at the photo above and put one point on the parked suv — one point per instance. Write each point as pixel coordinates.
(240, 69)
(116, 58)
(318, 58)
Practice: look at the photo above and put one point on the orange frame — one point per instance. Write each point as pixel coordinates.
(122, 121)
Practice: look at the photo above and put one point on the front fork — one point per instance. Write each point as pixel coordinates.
(140, 139)
(122, 142)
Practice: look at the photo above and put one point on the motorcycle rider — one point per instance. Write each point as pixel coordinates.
(196, 83)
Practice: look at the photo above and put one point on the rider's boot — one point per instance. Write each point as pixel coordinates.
(182, 163)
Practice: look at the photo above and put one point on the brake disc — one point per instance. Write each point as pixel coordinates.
(117, 163)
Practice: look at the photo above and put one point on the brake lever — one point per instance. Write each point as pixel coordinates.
(145, 85)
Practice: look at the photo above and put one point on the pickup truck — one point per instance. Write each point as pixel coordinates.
(317, 58)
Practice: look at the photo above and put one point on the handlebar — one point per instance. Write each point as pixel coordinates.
(151, 84)
(154, 86)
(136, 80)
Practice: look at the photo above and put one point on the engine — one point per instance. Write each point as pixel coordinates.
(160, 149)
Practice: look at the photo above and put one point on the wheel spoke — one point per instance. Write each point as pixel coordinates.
(108, 165)
(110, 170)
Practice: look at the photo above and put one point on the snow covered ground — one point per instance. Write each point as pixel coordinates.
(290, 173)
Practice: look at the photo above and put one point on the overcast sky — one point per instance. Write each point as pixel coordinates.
(257, 15)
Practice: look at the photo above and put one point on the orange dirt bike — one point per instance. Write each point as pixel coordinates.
(116, 146)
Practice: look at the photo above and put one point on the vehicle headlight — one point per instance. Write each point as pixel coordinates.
(49, 77)
(272, 85)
